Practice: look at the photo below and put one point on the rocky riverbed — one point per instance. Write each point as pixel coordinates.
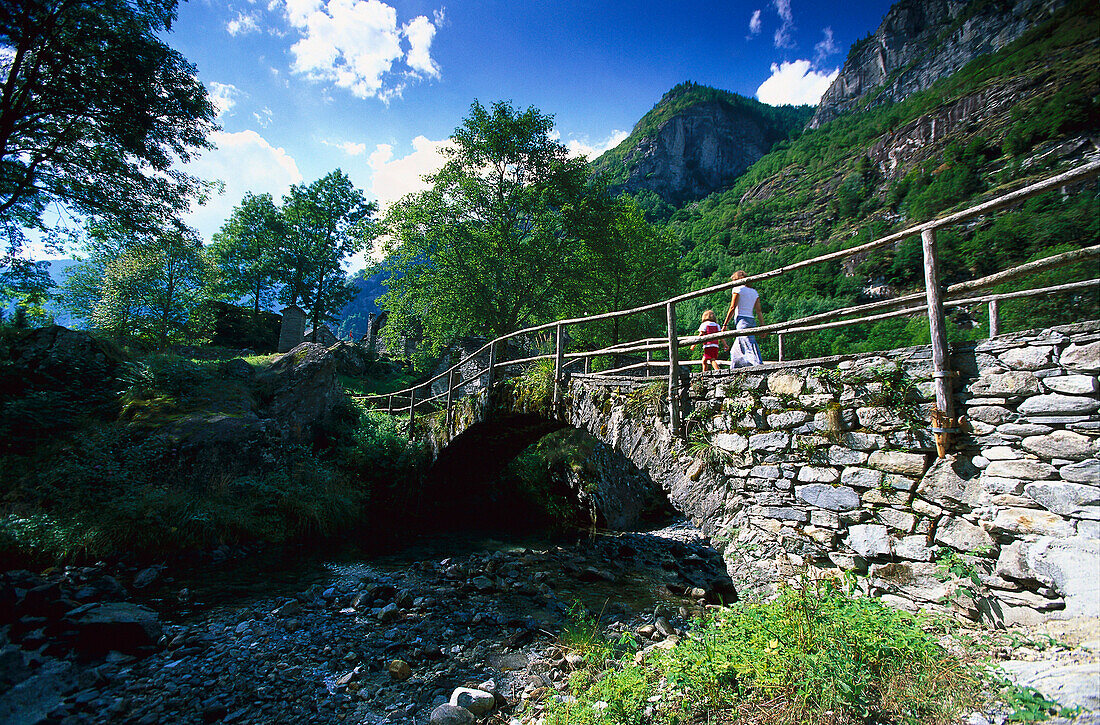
(381, 640)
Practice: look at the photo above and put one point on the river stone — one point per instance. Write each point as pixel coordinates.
(121, 626)
(1014, 382)
(908, 464)
(730, 442)
(1028, 358)
(961, 535)
(477, 702)
(448, 714)
(1085, 358)
(785, 384)
(1071, 384)
(818, 474)
(1023, 521)
(399, 670)
(1054, 403)
(1024, 468)
(1071, 564)
(1068, 499)
(833, 498)
(1083, 472)
(914, 548)
(869, 540)
(1061, 444)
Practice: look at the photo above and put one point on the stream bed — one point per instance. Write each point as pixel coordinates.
(345, 638)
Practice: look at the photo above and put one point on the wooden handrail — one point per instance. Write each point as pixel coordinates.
(1080, 174)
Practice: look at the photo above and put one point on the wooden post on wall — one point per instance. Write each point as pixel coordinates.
(450, 401)
(559, 358)
(673, 370)
(780, 336)
(648, 361)
(492, 363)
(994, 320)
(389, 405)
(943, 418)
(412, 410)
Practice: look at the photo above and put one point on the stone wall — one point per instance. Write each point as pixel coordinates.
(830, 465)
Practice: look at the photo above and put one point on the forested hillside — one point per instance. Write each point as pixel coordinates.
(1005, 119)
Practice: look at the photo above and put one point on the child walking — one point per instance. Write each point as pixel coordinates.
(709, 326)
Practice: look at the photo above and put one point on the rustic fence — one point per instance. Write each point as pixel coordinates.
(933, 301)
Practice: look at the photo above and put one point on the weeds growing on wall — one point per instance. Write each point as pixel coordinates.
(535, 387)
(815, 656)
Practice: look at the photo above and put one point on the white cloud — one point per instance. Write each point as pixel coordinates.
(223, 96)
(348, 147)
(396, 177)
(825, 48)
(755, 23)
(796, 83)
(245, 161)
(783, 33)
(356, 45)
(577, 147)
(243, 24)
(263, 117)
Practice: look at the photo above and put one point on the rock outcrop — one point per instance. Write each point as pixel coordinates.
(922, 41)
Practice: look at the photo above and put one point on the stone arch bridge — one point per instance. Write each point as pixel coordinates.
(830, 464)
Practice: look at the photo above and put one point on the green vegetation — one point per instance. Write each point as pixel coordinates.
(814, 655)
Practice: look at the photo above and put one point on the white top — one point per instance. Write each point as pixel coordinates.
(709, 327)
(746, 300)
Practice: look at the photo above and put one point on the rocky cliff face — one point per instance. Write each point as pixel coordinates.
(700, 150)
(922, 41)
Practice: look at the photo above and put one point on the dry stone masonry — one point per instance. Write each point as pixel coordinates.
(794, 468)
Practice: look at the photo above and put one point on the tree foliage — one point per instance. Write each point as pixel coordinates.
(246, 251)
(496, 242)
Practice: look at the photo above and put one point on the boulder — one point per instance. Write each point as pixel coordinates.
(1070, 685)
(121, 626)
(1070, 563)
(57, 357)
(476, 701)
(301, 392)
(448, 714)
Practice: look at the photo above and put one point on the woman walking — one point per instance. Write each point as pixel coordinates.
(746, 303)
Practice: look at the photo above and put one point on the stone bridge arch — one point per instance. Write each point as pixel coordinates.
(830, 465)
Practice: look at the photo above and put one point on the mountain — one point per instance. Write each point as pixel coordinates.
(695, 141)
(921, 41)
(356, 313)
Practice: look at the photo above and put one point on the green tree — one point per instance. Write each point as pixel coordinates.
(246, 251)
(146, 288)
(95, 111)
(326, 223)
(496, 242)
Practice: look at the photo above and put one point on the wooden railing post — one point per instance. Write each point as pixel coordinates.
(994, 320)
(389, 404)
(559, 357)
(943, 418)
(492, 364)
(412, 409)
(673, 370)
(780, 336)
(587, 365)
(450, 401)
(648, 362)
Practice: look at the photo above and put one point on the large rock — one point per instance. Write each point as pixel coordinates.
(1084, 358)
(1072, 565)
(56, 357)
(1068, 499)
(120, 626)
(833, 498)
(1071, 384)
(1028, 358)
(1056, 403)
(1024, 468)
(448, 714)
(301, 392)
(1070, 685)
(1061, 444)
(476, 701)
(907, 464)
(869, 540)
(785, 384)
(952, 481)
(1013, 382)
(961, 535)
(1023, 521)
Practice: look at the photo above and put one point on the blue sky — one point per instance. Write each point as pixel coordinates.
(373, 87)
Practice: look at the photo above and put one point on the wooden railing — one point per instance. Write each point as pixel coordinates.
(932, 302)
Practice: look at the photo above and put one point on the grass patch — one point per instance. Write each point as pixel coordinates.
(812, 656)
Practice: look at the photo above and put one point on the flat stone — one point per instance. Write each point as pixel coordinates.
(1023, 521)
(785, 384)
(767, 472)
(869, 540)
(895, 519)
(1025, 468)
(885, 497)
(997, 485)
(991, 414)
(1013, 382)
(1012, 562)
(915, 581)
(961, 535)
(788, 419)
(879, 419)
(826, 519)
(478, 702)
(1032, 357)
(1062, 444)
(1068, 499)
(841, 456)
(1020, 430)
(833, 498)
(1071, 384)
(914, 548)
(861, 477)
(784, 513)
(910, 464)
(1054, 403)
(953, 482)
(1083, 472)
(1071, 564)
(863, 441)
(773, 441)
(818, 474)
(1001, 453)
(730, 442)
(1070, 685)
(1084, 358)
